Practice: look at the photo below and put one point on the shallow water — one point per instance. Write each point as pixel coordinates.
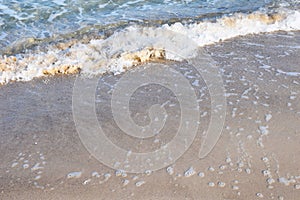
(43, 157)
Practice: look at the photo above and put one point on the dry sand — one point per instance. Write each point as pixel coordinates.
(39, 145)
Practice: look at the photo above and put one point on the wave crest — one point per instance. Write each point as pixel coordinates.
(100, 56)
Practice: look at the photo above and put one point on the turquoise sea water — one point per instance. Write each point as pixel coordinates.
(41, 19)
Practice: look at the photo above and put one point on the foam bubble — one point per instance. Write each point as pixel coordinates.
(211, 184)
(260, 195)
(25, 166)
(14, 164)
(125, 182)
(190, 172)
(221, 184)
(268, 117)
(170, 170)
(270, 181)
(95, 174)
(201, 174)
(263, 130)
(120, 173)
(139, 183)
(74, 175)
(297, 187)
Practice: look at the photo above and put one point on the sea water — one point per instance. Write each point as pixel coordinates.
(39, 38)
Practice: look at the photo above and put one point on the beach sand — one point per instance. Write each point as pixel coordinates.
(256, 157)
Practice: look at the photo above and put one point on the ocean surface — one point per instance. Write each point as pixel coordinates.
(39, 36)
(44, 19)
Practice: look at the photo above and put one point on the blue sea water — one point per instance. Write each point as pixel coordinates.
(50, 18)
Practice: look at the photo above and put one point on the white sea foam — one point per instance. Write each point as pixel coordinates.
(288, 73)
(74, 175)
(135, 45)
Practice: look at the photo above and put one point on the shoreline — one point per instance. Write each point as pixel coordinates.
(120, 51)
(256, 157)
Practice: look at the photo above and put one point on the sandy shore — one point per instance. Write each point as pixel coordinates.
(257, 156)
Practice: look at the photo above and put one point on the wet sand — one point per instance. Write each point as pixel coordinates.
(257, 156)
